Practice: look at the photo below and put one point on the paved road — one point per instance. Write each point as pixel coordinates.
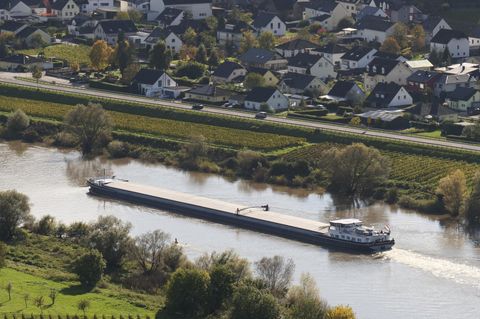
(8, 77)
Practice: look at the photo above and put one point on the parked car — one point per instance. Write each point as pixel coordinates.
(261, 115)
(228, 104)
(197, 106)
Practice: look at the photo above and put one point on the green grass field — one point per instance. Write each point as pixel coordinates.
(71, 53)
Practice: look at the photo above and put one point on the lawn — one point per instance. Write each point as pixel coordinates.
(431, 134)
(71, 53)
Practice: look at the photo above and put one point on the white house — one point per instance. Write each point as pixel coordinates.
(382, 70)
(462, 98)
(199, 9)
(266, 95)
(172, 40)
(294, 47)
(432, 25)
(316, 65)
(170, 17)
(269, 22)
(296, 83)
(228, 72)
(346, 91)
(456, 42)
(391, 95)
(65, 9)
(88, 6)
(374, 29)
(232, 33)
(20, 9)
(108, 30)
(157, 83)
(357, 58)
(332, 51)
(448, 83)
(331, 13)
(5, 11)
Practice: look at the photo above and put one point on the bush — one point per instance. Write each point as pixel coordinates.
(117, 149)
(192, 70)
(17, 122)
(65, 139)
(249, 302)
(89, 268)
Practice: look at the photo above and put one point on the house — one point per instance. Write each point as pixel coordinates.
(262, 58)
(208, 93)
(462, 98)
(170, 17)
(348, 91)
(294, 47)
(316, 65)
(391, 119)
(65, 9)
(266, 95)
(33, 37)
(5, 10)
(447, 83)
(331, 51)
(269, 22)
(89, 6)
(12, 26)
(371, 11)
(432, 25)
(456, 42)
(20, 62)
(108, 30)
(374, 29)
(382, 70)
(157, 83)
(422, 81)
(270, 78)
(228, 72)
(198, 9)
(297, 83)
(329, 12)
(232, 33)
(357, 58)
(172, 40)
(419, 65)
(389, 95)
(20, 9)
(407, 13)
(352, 6)
(474, 40)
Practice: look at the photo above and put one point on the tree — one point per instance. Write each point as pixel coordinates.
(304, 301)
(37, 74)
(9, 288)
(111, 237)
(248, 41)
(435, 58)
(26, 298)
(201, 55)
(190, 37)
(196, 148)
(253, 80)
(276, 273)
(472, 203)
(130, 72)
(346, 22)
(46, 225)
(90, 125)
(356, 121)
(222, 282)
(266, 40)
(123, 53)
(39, 303)
(452, 189)
(3, 254)
(89, 268)
(135, 15)
(83, 305)
(418, 34)
(249, 302)
(17, 122)
(14, 211)
(75, 67)
(159, 56)
(100, 55)
(472, 132)
(191, 70)
(230, 259)
(390, 45)
(446, 57)
(212, 23)
(148, 250)
(53, 295)
(213, 60)
(356, 169)
(400, 34)
(340, 312)
(187, 292)
(36, 41)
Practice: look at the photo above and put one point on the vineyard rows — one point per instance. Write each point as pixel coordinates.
(160, 127)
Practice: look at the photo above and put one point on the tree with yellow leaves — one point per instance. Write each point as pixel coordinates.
(100, 55)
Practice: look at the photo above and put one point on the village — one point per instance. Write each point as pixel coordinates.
(377, 64)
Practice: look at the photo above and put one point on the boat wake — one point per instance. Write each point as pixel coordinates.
(441, 268)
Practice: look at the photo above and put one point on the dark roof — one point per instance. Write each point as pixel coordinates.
(383, 93)
(332, 48)
(381, 66)
(209, 90)
(26, 32)
(168, 15)
(323, 5)
(261, 71)
(260, 94)
(148, 76)
(367, 11)
(475, 32)
(226, 68)
(374, 23)
(81, 18)
(341, 88)
(156, 34)
(177, 2)
(11, 26)
(461, 94)
(297, 44)
(387, 55)
(303, 60)
(444, 36)
(431, 22)
(115, 26)
(257, 56)
(59, 4)
(357, 53)
(197, 25)
(21, 59)
(262, 19)
(297, 80)
(423, 76)
(237, 27)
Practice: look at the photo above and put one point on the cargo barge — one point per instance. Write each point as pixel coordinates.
(345, 234)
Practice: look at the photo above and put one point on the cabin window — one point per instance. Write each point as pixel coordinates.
(343, 237)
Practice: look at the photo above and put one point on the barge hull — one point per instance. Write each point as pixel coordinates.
(288, 227)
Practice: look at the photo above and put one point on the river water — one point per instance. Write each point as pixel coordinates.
(433, 271)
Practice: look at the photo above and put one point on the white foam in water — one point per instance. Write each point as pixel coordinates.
(442, 268)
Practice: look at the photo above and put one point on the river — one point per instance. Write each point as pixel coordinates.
(433, 271)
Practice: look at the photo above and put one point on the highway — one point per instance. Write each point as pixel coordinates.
(8, 77)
